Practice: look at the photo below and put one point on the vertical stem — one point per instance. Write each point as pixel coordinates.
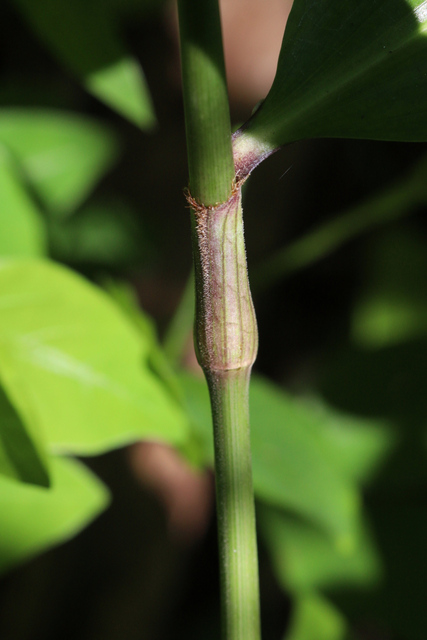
(225, 327)
(235, 505)
(207, 116)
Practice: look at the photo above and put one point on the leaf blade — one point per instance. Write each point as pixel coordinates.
(33, 518)
(351, 69)
(82, 363)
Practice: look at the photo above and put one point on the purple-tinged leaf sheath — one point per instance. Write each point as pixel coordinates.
(226, 332)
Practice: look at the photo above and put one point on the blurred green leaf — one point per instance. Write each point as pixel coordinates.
(35, 518)
(102, 233)
(83, 37)
(314, 618)
(353, 69)
(125, 297)
(292, 464)
(20, 457)
(22, 230)
(358, 447)
(394, 202)
(305, 559)
(82, 363)
(62, 155)
(393, 305)
(385, 383)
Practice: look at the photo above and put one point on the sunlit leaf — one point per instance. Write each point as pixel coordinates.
(82, 363)
(83, 36)
(62, 155)
(354, 69)
(22, 231)
(33, 518)
(315, 618)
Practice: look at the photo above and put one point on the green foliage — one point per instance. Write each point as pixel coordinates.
(62, 156)
(392, 307)
(22, 454)
(306, 560)
(54, 329)
(34, 518)
(22, 232)
(82, 35)
(303, 454)
(339, 472)
(353, 69)
(316, 619)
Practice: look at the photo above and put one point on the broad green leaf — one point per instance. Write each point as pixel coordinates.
(20, 457)
(82, 363)
(393, 303)
(353, 68)
(22, 231)
(315, 618)
(83, 37)
(62, 155)
(305, 559)
(34, 519)
(292, 466)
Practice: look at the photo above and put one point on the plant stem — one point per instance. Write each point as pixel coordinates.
(225, 328)
(207, 116)
(235, 510)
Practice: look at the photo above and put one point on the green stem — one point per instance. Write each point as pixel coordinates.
(225, 328)
(235, 510)
(207, 116)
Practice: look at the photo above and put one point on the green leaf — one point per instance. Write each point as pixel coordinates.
(292, 465)
(386, 383)
(83, 37)
(20, 457)
(353, 68)
(22, 231)
(393, 303)
(315, 618)
(293, 469)
(100, 233)
(305, 559)
(358, 447)
(82, 363)
(62, 155)
(33, 519)
(404, 197)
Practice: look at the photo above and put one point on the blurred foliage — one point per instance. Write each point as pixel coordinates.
(339, 459)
